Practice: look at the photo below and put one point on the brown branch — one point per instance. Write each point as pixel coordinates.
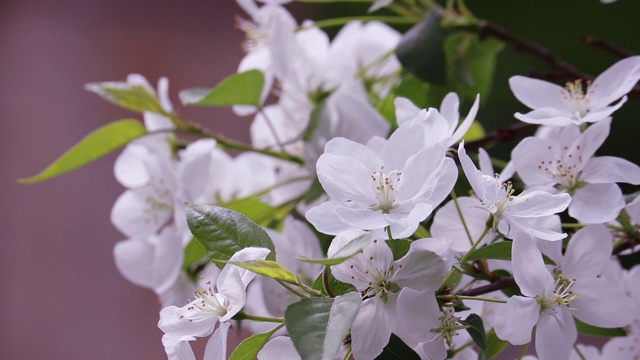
(501, 135)
(600, 43)
(499, 284)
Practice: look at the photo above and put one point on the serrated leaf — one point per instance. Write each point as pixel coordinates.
(223, 232)
(396, 349)
(587, 329)
(251, 346)
(243, 88)
(94, 146)
(421, 50)
(129, 96)
(495, 346)
(476, 331)
(270, 269)
(254, 209)
(499, 251)
(350, 249)
(317, 326)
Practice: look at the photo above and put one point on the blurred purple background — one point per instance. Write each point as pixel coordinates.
(61, 296)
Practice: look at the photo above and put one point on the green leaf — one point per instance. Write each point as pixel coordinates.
(94, 146)
(396, 349)
(251, 346)
(499, 251)
(223, 232)
(471, 63)
(317, 326)
(415, 90)
(421, 49)
(399, 248)
(133, 97)
(193, 252)
(476, 331)
(495, 346)
(243, 88)
(587, 329)
(475, 132)
(254, 209)
(270, 269)
(352, 248)
(337, 287)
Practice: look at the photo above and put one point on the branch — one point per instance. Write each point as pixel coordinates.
(600, 43)
(502, 282)
(500, 135)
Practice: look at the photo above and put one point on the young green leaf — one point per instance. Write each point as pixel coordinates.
(318, 326)
(94, 146)
(495, 346)
(243, 88)
(223, 232)
(133, 97)
(251, 346)
(353, 247)
(269, 269)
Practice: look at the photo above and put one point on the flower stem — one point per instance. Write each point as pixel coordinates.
(451, 273)
(464, 223)
(294, 291)
(347, 19)
(244, 316)
(462, 297)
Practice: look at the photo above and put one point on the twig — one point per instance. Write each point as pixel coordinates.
(501, 135)
(499, 284)
(600, 43)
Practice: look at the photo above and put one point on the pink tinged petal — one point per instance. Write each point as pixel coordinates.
(281, 348)
(527, 313)
(345, 147)
(406, 110)
(529, 270)
(466, 124)
(596, 203)
(592, 138)
(405, 142)
(588, 252)
(325, 219)
(536, 94)
(420, 172)
(418, 313)
(217, 345)
(530, 159)
(371, 329)
(539, 203)
(555, 336)
(344, 178)
(615, 82)
(187, 321)
(601, 303)
(608, 169)
(421, 269)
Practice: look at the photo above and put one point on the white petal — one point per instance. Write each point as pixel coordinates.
(588, 252)
(448, 224)
(245, 276)
(371, 330)
(528, 158)
(418, 313)
(602, 303)
(420, 268)
(547, 116)
(186, 321)
(615, 82)
(596, 203)
(141, 212)
(555, 335)
(344, 178)
(325, 219)
(607, 169)
(536, 93)
(406, 110)
(420, 172)
(529, 270)
(592, 138)
(527, 313)
(539, 203)
(466, 124)
(280, 347)
(365, 219)
(345, 147)
(217, 345)
(405, 142)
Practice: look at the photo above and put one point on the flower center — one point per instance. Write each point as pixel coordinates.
(207, 301)
(565, 170)
(386, 189)
(562, 296)
(256, 36)
(449, 325)
(576, 96)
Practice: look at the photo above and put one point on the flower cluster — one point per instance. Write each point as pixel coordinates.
(344, 208)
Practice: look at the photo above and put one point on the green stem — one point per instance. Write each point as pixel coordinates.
(524, 351)
(344, 20)
(309, 290)
(466, 256)
(294, 291)
(464, 223)
(389, 233)
(575, 347)
(573, 226)
(244, 316)
(332, 1)
(462, 297)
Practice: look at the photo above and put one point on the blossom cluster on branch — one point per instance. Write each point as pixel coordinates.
(338, 231)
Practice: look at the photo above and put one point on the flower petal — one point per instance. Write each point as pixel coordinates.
(608, 169)
(555, 335)
(527, 313)
(596, 203)
(537, 94)
(588, 252)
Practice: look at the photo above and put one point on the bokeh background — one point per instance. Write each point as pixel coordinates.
(61, 296)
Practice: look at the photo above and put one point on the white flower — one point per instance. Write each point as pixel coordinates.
(442, 127)
(513, 213)
(199, 317)
(395, 183)
(576, 103)
(566, 163)
(382, 280)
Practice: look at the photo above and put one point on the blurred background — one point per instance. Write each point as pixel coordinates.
(61, 296)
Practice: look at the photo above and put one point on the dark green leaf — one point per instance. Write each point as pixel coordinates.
(133, 97)
(318, 326)
(494, 345)
(476, 331)
(421, 50)
(223, 232)
(396, 349)
(243, 88)
(251, 346)
(587, 329)
(94, 146)
(499, 251)
(336, 287)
